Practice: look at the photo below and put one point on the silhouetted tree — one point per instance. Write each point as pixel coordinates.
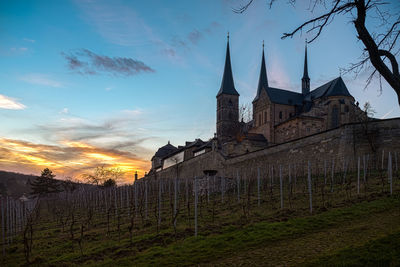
(45, 184)
(380, 47)
(109, 183)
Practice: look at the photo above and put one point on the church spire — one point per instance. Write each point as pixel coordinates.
(227, 85)
(305, 81)
(263, 80)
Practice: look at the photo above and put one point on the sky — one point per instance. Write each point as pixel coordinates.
(88, 83)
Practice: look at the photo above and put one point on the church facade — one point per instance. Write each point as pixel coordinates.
(281, 115)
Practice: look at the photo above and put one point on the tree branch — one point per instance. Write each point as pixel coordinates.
(324, 18)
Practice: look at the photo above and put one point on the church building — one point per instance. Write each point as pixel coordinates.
(282, 115)
(279, 116)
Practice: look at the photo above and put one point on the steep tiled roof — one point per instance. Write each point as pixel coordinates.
(335, 87)
(263, 80)
(280, 96)
(227, 85)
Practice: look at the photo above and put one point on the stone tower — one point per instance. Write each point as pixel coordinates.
(305, 81)
(227, 103)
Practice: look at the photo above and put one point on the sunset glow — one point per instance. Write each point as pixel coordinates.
(68, 159)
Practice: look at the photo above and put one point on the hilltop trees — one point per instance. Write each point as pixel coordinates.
(45, 184)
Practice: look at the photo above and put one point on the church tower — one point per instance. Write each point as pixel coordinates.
(227, 103)
(305, 81)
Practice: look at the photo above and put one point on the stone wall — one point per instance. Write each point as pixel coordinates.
(344, 143)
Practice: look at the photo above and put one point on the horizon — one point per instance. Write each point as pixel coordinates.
(89, 83)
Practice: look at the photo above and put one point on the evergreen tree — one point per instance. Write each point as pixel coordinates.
(45, 184)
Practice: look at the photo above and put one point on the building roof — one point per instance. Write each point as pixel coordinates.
(198, 142)
(227, 85)
(284, 97)
(335, 87)
(204, 146)
(263, 80)
(165, 150)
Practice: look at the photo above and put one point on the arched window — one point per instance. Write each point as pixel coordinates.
(335, 117)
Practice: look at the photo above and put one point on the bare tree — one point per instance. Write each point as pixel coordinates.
(380, 47)
(245, 112)
(104, 176)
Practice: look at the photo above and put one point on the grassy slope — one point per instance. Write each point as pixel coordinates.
(306, 238)
(301, 240)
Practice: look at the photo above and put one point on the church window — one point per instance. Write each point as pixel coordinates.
(280, 114)
(346, 108)
(259, 119)
(335, 117)
(265, 117)
(230, 102)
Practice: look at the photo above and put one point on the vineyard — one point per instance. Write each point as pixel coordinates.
(187, 220)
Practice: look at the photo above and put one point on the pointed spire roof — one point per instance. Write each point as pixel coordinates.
(263, 80)
(227, 85)
(305, 73)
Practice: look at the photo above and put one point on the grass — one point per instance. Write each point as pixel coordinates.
(383, 251)
(210, 248)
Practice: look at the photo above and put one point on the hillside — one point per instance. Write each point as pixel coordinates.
(14, 184)
(256, 221)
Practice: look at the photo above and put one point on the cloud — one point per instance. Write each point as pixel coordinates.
(10, 103)
(117, 22)
(169, 52)
(29, 40)
(18, 49)
(40, 79)
(75, 145)
(87, 62)
(64, 111)
(277, 75)
(66, 158)
(194, 36)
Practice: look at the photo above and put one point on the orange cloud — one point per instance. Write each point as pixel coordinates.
(70, 158)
